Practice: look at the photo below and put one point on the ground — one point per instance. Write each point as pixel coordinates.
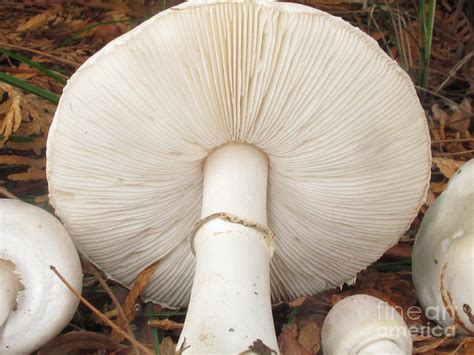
(43, 42)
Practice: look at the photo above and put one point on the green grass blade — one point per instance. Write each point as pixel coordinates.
(154, 332)
(34, 65)
(24, 85)
(429, 30)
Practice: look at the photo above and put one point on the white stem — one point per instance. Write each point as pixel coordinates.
(230, 305)
(382, 346)
(9, 287)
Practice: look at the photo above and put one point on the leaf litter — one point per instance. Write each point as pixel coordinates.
(61, 36)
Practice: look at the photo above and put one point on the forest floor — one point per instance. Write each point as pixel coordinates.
(43, 42)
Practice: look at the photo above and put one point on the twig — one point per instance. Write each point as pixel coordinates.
(118, 306)
(58, 59)
(100, 315)
(455, 153)
(6, 193)
(454, 70)
(460, 140)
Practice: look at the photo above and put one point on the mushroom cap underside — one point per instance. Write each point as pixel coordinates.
(340, 122)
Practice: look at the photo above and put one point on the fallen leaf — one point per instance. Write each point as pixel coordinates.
(447, 166)
(167, 347)
(460, 119)
(73, 342)
(428, 345)
(39, 20)
(288, 344)
(309, 335)
(11, 111)
(129, 305)
(259, 347)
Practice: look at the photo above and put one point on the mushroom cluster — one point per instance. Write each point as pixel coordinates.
(278, 140)
(35, 305)
(364, 325)
(443, 254)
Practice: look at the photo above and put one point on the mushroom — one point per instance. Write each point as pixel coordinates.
(363, 324)
(35, 305)
(443, 254)
(278, 140)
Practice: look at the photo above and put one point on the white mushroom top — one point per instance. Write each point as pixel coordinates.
(443, 254)
(31, 240)
(341, 125)
(365, 325)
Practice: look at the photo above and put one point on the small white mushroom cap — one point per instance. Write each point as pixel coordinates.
(31, 240)
(362, 325)
(443, 254)
(340, 123)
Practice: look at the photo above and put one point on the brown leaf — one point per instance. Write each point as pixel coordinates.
(259, 347)
(36, 145)
(428, 345)
(460, 119)
(309, 335)
(129, 305)
(288, 344)
(39, 20)
(11, 111)
(76, 341)
(447, 166)
(297, 301)
(436, 188)
(167, 347)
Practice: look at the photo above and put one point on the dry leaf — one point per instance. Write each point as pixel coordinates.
(447, 166)
(36, 145)
(168, 347)
(297, 302)
(39, 20)
(309, 335)
(76, 341)
(436, 188)
(460, 120)
(259, 347)
(428, 345)
(32, 173)
(11, 112)
(288, 344)
(129, 305)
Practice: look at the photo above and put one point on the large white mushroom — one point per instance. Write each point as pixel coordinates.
(443, 254)
(34, 304)
(300, 146)
(364, 325)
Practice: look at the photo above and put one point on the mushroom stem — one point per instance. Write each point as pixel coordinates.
(230, 304)
(9, 287)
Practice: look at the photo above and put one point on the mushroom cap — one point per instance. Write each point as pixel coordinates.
(444, 250)
(357, 321)
(33, 240)
(340, 122)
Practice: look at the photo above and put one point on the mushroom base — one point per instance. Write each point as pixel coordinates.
(10, 285)
(230, 305)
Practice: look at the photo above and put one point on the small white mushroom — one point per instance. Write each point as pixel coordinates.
(34, 304)
(443, 254)
(363, 325)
